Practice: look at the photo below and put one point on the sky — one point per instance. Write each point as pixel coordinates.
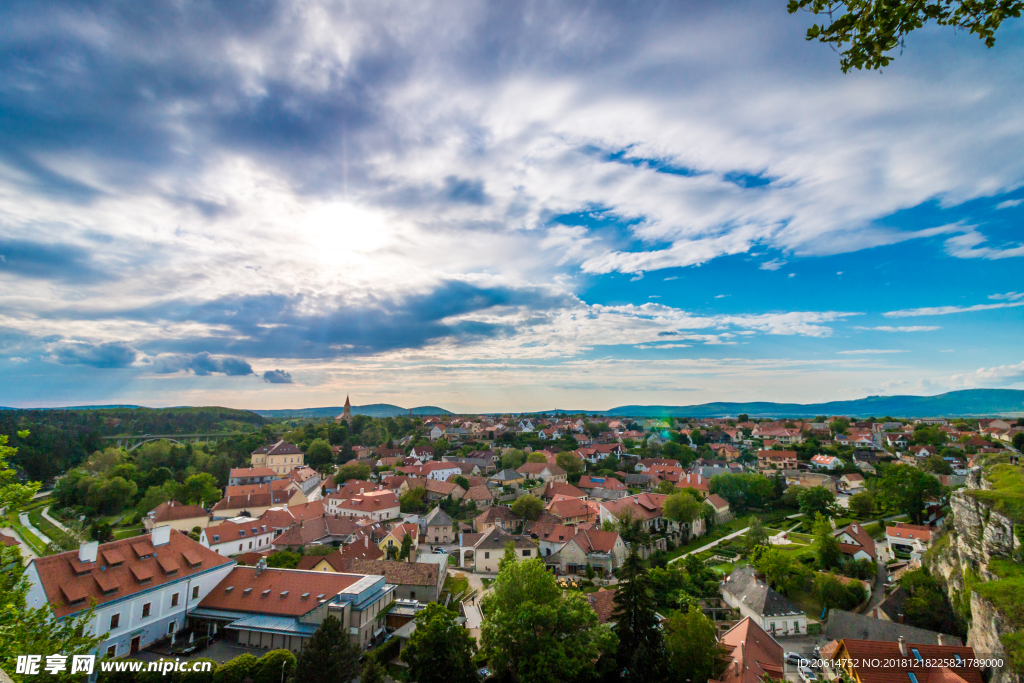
(499, 206)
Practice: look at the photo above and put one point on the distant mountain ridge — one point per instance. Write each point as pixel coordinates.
(964, 403)
(372, 410)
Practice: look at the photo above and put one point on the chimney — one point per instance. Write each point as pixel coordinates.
(87, 551)
(903, 647)
(940, 639)
(161, 535)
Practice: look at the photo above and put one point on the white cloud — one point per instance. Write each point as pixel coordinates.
(1000, 376)
(862, 352)
(669, 279)
(722, 296)
(774, 264)
(909, 328)
(792, 275)
(1009, 203)
(663, 346)
(946, 310)
(1009, 296)
(967, 246)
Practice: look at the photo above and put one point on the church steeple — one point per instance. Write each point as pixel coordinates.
(346, 414)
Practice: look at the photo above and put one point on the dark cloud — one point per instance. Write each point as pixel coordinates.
(47, 261)
(277, 377)
(106, 355)
(280, 326)
(465, 191)
(201, 364)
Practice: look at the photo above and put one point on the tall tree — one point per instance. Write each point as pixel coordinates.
(319, 454)
(329, 656)
(816, 500)
(907, 489)
(534, 634)
(692, 647)
(641, 649)
(570, 462)
(756, 535)
(826, 546)
(528, 506)
(440, 650)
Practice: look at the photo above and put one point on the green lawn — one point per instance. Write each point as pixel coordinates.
(720, 531)
(128, 532)
(30, 539)
(456, 583)
(35, 516)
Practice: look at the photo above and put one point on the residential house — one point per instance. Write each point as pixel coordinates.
(255, 504)
(645, 465)
(497, 516)
(597, 452)
(751, 654)
(853, 483)
(423, 453)
(281, 518)
(438, 490)
(141, 588)
(238, 535)
(489, 548)
(908, 539)
(269, 609)
(573, 510)
(306, 478)
(603, 603)
(277, 485)
(827, 462)
(785, 437)
(437, 527)
(603, 550)
(771, 610)
(541, 471)
(768, 461)
(438, 471)
(876, 661)
(560, 488)
(726, 451)
(239, 476)
(855, 542)
(482, 496)
(721, 507)
(375, 505)
(281, 457)
(436, 431)
(645, 507)
(811, 480)
(603, 488)
(328, 530)
(179, 517)
(394, 538)
(550, 537)
(418, 581)
(842, 624)
(694, 483)
(507, 478)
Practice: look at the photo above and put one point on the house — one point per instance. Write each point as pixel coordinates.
(828, 462)
(811, 480)
(438, 490)
(437, 527)
(438, 471)
(597, 452)
(281, 518)
(280, 457)
(541, 471)
(376, 505)
(306, 478)
(236, 536)
(603, 550)
(488, 549)
(603, 603)
(695, 483)
(604, 488)
(268, 608)
(751, 654)
(422, 452)
(498, 516)
(645, 465)
(876, 661)
(255, 504)
(297, 497)
(436, 432)
(239, 476)
(338, 561)
(854, 483)
(856, 543)
(507, 478)
(560, 488)
(908, 539)
(721, 507)
(646, 507)
(573, 510)
(179, 517)
(482, 496)
(549, 537)
(726, 451)
(418, 581)
(328, 530)
(768, 461)
(842, 624)
(396, 537)
(142, 587)
(769, 609)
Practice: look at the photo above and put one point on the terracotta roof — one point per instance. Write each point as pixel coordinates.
(284, 517)
(9, 540)
(280, 592)
(609, 483)
(860, 650)
(561, 488)
(853, 477)
(479, 493)
(863, 538)
(255, 500)
(717, 501)
(335, 559)
(752, 654)
(903, 530)
(777, 455)
(229, 531)
(596, 541)
(496, 513)
(603, 602)
(443, 488)
(693, 481)
(244, 472)
(302, 473)
(643, 505)
(555, 533)
(568, 507)
(252, 489)
(172, 510)
(372, 501)
(65, 578)
(398, 573)
(539, 467)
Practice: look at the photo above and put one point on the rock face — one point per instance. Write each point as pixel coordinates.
(979, 534)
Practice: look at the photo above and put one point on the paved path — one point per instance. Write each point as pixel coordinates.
(25, 522)
(26, 551)
(51, 520)
(723, 538)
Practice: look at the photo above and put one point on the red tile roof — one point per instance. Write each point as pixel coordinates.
(65, 579)
(603, 602)
(281, 592)
(248, 472)
(596, 541)
(644, 505)
(561, 488)
(867, 650)
(752, 654)
(608, 483)
(172, 510)
(903, 530)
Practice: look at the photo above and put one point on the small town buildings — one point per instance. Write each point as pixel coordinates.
(560, 488)
(908, 539)
(827, 462)
(603, 603)
(573, 510)
(483, 552)
(695, 483)
(236, 536)
(267, 608)
(437, 527)
(280, 457)
(549, 537)
(542, 471)
(842, 624)
(767, 461)
(482, 496)
(507, 478)
(855, 542)
(852, 483)
(603, 488)
(306, 478)
(721, 507)
(376, 505)
(751, 654)
(395, 537)
(770, 610)
(240, 476)
(875, 661)
(255, 504)
(179, 517)
(603, 550)
(412, 580)
(498, 516)
(142, 587)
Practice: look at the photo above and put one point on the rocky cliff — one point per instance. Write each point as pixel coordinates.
(978, 535)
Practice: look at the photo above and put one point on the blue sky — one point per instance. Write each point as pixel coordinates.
(499, 206)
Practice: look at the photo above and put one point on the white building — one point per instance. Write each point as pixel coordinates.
(770, 610)
(141, 586)
(827, 462)
(236, 536)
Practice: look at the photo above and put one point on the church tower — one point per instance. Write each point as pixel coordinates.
(346, 414)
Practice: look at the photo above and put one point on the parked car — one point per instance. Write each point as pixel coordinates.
(807, 676)
(793, 658)
(440, 551)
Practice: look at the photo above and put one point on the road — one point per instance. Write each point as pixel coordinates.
(51, 520)
(25, 522)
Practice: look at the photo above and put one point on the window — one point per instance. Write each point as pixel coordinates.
(170, 627)
(195, 592)
(772, 627)
(115, 619)
(145, 609)
(412, 594)
(112, 651)
(174, 600)
(487, 556)
(526, 552)
(250, 545)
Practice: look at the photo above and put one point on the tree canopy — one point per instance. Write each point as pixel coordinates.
(440, 650)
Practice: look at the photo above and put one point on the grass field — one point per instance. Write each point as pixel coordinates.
(30, 539)
(35, 515)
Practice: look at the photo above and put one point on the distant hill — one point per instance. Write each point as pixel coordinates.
(966, 403)
(373, 410)
(110, 407)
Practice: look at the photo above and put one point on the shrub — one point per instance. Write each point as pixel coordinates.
(197, 676)
(388, 651)
(236, 670)
(268, 668)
